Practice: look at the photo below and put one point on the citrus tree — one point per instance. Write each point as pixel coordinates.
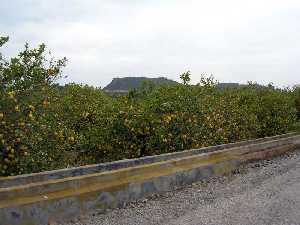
(27, 141)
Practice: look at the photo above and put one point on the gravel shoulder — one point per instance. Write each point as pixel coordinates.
(265, 192)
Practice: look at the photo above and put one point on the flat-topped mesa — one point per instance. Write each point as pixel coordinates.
(125, 84)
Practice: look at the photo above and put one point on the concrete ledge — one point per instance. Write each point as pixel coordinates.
(58, 199)
(89, 169)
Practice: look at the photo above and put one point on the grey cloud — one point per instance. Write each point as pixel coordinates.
(234, 40)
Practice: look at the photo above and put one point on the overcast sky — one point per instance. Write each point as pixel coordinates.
(236, 40)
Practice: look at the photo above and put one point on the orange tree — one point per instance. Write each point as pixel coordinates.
(86, 111)
(297, 100)
(27, 141)
(46, 126)
(177, 117)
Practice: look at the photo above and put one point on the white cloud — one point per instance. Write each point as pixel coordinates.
(235, 40)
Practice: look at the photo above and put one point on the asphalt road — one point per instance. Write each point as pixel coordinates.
(267, 192)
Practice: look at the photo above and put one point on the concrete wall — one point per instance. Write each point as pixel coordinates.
(64, 194)
(83, 170)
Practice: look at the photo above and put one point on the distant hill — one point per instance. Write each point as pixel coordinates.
(121, 86)
(126, 84)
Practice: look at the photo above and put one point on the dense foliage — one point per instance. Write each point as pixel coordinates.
(45, 126)
(297, 100)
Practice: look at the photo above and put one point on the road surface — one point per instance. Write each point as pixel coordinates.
(267, 192)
